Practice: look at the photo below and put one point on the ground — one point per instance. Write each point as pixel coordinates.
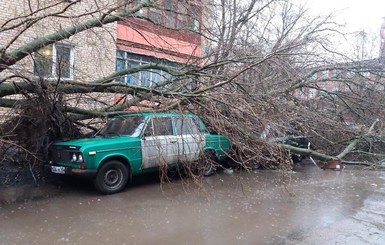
(305, 206)
(15, 171)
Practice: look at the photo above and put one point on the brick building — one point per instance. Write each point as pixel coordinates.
(83, 57)
(167, 35)
(350, 81)
(330, 78)
(98, 52)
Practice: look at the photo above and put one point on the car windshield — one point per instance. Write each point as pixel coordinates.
(130, 126)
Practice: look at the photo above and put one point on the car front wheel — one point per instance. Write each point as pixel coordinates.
(112, 177)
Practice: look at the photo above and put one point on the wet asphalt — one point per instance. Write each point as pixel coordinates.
(304, 206)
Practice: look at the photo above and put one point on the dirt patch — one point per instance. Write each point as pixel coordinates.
(14, 176)
(26, 193)
(23, 182)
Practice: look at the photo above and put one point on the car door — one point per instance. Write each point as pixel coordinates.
(190, 138)
(159, 144)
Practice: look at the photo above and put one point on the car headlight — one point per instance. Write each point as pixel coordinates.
(77, 157)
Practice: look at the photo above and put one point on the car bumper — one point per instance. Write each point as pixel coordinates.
(64, 170)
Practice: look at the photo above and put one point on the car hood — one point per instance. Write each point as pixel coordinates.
(96, 142)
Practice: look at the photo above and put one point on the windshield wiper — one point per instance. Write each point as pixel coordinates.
(109, 134)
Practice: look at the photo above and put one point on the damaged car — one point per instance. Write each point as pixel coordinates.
(134, 144)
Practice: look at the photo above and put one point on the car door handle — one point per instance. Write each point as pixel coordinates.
(173, 141)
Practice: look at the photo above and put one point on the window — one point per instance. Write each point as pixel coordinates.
(325, 74)
(159, 126)
(335, 87)
(350, 74)
(170, 15)
(155, 16)
(366, 74)
(54, 61)
(171, 20)
(312, 92)
(131, 126)
(301, 94)
(147, 78)
(175, 14)
(43, 62)
(63, 61)
(185, 126)
(194, 25)
(194, 13)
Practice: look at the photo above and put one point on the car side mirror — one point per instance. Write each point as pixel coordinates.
(145, 135)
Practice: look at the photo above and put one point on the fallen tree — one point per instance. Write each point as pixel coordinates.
(255, 75)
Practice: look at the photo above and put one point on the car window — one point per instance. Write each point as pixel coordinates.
(130, 126)
(159, 126)
(186, 125)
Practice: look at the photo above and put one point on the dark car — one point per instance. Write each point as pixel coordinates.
(271, 134)
(296, 141)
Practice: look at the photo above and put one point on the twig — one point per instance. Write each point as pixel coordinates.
(33, 175)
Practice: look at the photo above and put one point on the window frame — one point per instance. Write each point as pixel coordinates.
(177, 15)
(52, 57)
(71, 60)
(152, 128)
(180, 124)
(145, 78)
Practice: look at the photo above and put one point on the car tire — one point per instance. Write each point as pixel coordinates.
(254, 164)
(208, 161)
(112, 177)
(296, 158)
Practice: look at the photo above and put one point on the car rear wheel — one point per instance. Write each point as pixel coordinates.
(112, 177)
(208, 161)
(254, 164)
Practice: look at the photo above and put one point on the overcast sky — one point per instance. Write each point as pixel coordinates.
(357, 14)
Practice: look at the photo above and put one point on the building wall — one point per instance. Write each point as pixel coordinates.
(94, 49)
(176, 38)
(152, 41)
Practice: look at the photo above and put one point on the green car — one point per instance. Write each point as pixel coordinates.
(133, 144)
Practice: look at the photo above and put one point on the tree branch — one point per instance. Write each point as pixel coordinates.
(10, 58)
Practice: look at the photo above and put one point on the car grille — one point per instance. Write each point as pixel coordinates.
(60, 154)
